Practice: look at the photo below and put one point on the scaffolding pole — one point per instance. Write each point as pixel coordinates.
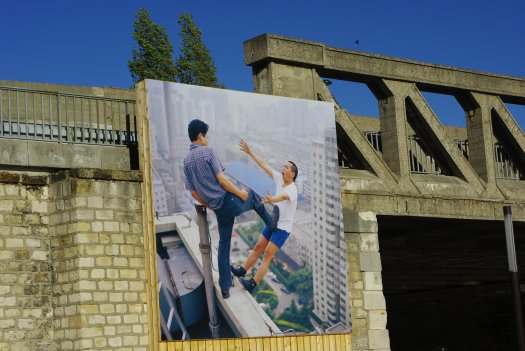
(205, 249)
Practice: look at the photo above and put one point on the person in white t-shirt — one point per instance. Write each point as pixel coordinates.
(285, 199)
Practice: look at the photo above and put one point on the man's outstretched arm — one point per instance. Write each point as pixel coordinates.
(272, 199)
(228, 186)
(262, 163)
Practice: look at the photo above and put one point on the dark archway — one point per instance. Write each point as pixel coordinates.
(446, 283)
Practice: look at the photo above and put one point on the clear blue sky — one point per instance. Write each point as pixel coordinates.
(90, 42)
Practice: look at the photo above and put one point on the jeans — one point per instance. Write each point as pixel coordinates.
(232, 207)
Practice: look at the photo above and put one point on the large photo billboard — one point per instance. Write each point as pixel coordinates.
(266, 169)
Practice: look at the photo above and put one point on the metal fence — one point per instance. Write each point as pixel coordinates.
(68, 118)
(374, 138)
(505, 167)
(421, 162)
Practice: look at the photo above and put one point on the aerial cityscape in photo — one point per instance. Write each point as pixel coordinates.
(306, 286)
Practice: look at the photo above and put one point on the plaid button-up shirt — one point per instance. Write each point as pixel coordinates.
(201, 167)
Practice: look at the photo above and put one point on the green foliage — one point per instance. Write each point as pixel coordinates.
(267, 296)
(263, 285)
(299, 316)
(266, 293)
(195, 64)
(280, 277)
(153, 57)
(283, 325)
(250, 234)
(316, 318)
(301, 281)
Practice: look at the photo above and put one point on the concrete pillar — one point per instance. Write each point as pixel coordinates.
(481, 139)
(394, 127)
(367, 301)
(283, 80)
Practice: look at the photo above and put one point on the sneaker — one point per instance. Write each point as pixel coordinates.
(238, 271)
(225, 293)
(249, 284)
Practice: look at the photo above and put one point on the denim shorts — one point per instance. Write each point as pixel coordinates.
(278, 236)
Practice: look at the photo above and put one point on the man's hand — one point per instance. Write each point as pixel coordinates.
(243, 194)
(244, 147)
(268, 199)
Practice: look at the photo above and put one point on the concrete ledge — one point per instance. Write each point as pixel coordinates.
(356, 179)
(100, 174)
(430, 206)
(43, 154)
(245, 317)
(337, 63)
(23, 178)
(513, 189)
(440, 185)
(115, 93)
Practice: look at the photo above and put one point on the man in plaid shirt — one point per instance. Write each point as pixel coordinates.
(207, 183)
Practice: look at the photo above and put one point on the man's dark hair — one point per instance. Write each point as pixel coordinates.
(195, 127)
(295, 170)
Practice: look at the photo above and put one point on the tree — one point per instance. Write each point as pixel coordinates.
(195, 64)
(153, 58)
(298, 316)
(301, 281)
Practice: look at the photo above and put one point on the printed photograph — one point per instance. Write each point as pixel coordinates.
(266, 169)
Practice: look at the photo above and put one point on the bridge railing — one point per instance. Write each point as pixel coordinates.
(422, 162)
(505, 168)
(66, 118)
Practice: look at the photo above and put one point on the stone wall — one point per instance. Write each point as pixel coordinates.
(26, 311)
(72, 261)
(367, 300)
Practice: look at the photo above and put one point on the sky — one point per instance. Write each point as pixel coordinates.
(89, 42)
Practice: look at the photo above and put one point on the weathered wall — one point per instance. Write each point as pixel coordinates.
(26, 270)
(364, 281)
(72, 261)
(383, 183)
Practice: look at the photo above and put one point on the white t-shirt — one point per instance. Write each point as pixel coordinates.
(287, 207)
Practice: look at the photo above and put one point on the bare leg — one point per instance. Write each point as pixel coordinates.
(271, 250)
(258, 249)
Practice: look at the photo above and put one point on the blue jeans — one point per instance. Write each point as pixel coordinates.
(233, 206)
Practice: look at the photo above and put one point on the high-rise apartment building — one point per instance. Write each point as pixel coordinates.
(329, 261)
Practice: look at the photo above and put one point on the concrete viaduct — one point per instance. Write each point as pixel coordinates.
(422, 202)
(422, 205)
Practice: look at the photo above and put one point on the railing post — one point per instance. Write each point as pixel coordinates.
(132, 145)
(205, 248)
(59, 123)
(514, 277)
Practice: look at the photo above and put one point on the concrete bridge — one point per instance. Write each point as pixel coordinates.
(425, 250)
(422, 202)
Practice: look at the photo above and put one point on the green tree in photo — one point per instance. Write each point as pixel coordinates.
(301, 281)
(195, 64)
(153, 56)
(298, 316)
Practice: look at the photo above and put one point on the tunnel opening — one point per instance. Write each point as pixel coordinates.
(446, 283)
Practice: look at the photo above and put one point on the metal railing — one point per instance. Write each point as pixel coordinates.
(505, 167)
(374, 138)
(421, 162)
(67, 118)
(166, 322)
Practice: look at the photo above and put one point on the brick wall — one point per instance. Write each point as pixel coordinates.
(26, 311)
(72, 261)
(367, 300)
